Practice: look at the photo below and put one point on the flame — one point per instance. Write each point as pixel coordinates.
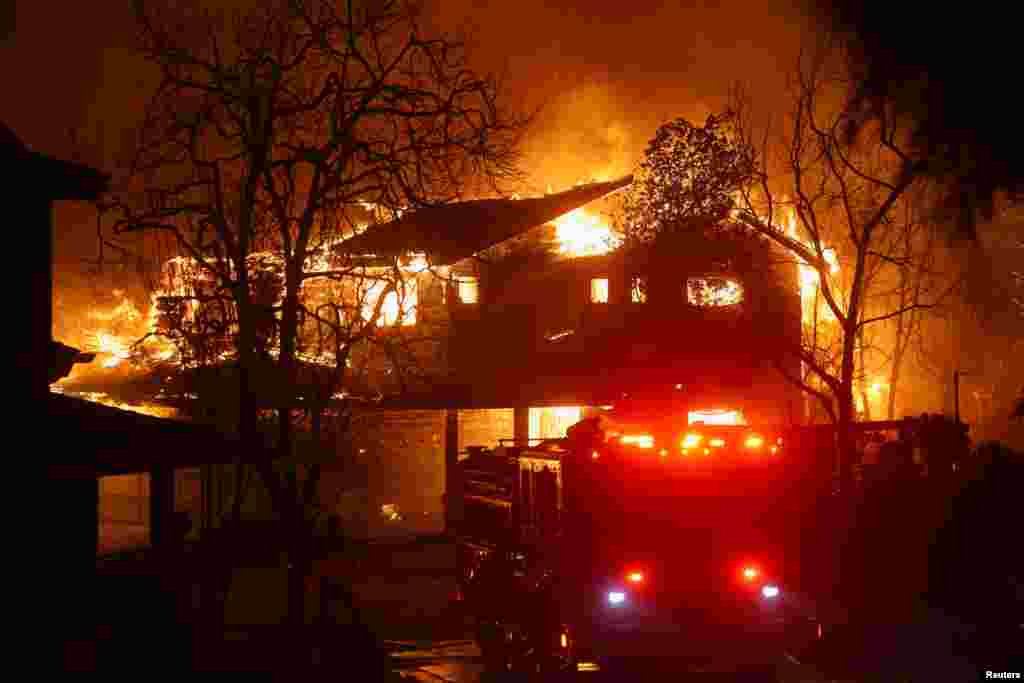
(109, 332)
(114, 348)
(581, 233)
(101, 397)
(810, 279)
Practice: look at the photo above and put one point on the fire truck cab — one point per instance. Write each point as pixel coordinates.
(648, 543)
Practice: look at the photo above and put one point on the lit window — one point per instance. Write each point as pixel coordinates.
(395, 309)
(639, 290)
(711, 291)
(553, 422)
(468, 289)
(599, 290)
(716, 417)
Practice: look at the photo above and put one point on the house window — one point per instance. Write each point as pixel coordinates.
(713, 291)
(638, 290)
(398, 308)
(467, 289)
(599, 290)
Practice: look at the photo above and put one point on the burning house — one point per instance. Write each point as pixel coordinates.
(544, 317)
(497, 321)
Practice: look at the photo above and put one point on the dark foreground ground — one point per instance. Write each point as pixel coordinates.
(408, 593)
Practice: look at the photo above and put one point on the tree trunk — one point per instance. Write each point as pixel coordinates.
(846, 412)
(894, 378)
(864, 382)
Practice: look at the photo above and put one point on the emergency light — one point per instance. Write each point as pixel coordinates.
(638, 440)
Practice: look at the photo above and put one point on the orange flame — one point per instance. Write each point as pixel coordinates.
(581, 233)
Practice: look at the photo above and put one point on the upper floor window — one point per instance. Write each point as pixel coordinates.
(713, 290)
(467, 289)
(397, 308)
(638, 290)
(599, 290)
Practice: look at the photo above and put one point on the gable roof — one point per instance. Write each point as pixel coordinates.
(456, 231)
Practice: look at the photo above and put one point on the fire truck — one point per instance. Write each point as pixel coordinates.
(641, 541)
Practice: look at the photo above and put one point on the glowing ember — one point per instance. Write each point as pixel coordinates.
(151, 409)
(581, 233)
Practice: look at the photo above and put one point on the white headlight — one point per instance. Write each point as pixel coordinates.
(770, 591)
(616, 597)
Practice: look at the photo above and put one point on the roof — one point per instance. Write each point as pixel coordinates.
(57, 179)
(87, 440)
(456, 231)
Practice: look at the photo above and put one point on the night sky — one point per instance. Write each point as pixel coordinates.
(608, 74)
(607, 79)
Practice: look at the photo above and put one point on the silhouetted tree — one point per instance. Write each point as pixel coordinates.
(846, 195)
(689, 176)
(271, 131)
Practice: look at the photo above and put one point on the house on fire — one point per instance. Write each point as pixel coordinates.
(533, 325)
(518, 317)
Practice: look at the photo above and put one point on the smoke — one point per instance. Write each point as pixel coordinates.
(606, 74)
(582, 135)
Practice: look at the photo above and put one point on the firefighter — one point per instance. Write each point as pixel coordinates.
(588, 432)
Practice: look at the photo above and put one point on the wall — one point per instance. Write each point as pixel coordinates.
(485, 427)
(124, 512)
(124, 508)
(403, 456)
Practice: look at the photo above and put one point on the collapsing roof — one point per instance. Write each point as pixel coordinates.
(456, 231)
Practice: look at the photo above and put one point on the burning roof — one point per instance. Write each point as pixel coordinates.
(456, 231)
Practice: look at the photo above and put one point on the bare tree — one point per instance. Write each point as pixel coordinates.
(846, 195)
(271, 131)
